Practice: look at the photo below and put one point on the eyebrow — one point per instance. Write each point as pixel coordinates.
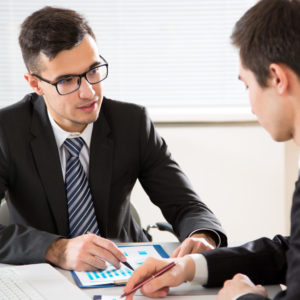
(60, 77)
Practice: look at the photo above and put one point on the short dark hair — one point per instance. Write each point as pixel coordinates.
(269, 32)
(51, 30)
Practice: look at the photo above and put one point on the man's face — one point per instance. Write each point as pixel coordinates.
(74, 111)
(274, 112)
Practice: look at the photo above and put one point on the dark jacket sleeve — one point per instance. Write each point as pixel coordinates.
(280, 296)
(252, 297)
(23, 244)
(262, 260)
(169, 188)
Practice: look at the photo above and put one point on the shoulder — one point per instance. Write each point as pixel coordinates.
(119, 107)
(122, 112)
(19, 108)
(16, 119)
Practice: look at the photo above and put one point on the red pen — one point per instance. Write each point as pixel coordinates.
(160, 272)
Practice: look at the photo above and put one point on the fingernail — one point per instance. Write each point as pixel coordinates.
(123, 257)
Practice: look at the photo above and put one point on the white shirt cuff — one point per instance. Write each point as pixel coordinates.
(205, 229)
(201, 270)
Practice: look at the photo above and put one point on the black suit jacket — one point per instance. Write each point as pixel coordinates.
(265, 261)
(124, 147)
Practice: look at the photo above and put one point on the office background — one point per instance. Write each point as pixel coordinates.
(175, 57)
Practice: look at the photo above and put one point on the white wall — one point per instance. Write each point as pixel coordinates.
(244, 176)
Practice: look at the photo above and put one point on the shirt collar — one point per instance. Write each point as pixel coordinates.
(61, 135)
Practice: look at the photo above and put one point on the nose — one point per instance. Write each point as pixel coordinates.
(86, 90)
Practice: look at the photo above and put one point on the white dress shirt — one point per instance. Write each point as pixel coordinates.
(60, 137)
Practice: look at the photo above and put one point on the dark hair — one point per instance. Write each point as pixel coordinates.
(51, 30)
(268, 33)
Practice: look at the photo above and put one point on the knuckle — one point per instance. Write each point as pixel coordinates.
(238, 276)
(187, 241)
(107, 243)
(99, 263)
(226, 283)
(150, 260)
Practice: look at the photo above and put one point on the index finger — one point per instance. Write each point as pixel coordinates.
(149, 267)
(175, 252)
(110, 247)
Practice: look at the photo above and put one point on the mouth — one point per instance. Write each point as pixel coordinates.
(89, 106)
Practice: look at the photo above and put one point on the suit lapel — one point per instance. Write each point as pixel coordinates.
(46, 156)
(101, 160)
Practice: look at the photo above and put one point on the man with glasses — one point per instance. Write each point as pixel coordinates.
(69, 84)
(69, 159)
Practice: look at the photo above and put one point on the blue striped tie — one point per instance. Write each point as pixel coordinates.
(82, 218)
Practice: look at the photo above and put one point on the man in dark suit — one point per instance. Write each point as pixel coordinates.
(268, 37)
(69, 159)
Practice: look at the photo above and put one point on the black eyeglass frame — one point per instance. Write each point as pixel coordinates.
(79, 75)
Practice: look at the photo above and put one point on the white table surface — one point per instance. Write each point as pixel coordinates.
(183, 291)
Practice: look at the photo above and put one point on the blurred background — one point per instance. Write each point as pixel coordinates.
(175, 58)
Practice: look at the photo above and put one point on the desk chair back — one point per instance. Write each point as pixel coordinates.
(162, 226)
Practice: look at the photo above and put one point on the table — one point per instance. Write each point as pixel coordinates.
(185, 291)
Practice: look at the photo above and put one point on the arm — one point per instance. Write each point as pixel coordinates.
(23, 244)
(262, 260)
(282, 263)
(168, 187)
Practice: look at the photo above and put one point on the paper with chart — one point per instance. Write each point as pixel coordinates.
(136, 255)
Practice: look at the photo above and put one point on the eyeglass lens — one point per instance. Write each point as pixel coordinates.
(72, 83)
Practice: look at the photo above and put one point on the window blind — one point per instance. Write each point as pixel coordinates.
(161, 53)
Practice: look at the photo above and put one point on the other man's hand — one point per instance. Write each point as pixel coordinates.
(198, 242)
(158, 287)
(238, 285)
(84, 253)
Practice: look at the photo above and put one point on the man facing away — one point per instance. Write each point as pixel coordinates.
(69, 159)
(268, 38)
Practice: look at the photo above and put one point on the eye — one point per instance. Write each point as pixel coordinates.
(66, 80)
(94, 71)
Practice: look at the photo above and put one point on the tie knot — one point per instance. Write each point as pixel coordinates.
(74, 146)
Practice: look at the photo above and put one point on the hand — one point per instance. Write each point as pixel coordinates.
(159, 287)
(87, 252)
(240, 284)
(198, 242)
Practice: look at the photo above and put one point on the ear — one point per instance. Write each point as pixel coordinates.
(34, 83)
(279, 78)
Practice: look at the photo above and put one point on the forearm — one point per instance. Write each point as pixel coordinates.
(263, 260)
(23, 244)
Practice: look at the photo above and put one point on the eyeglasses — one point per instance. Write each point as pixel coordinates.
(71, 83)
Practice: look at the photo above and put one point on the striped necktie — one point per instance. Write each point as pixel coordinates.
(82, 218)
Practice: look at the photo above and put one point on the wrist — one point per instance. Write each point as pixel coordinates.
(208, 236)
(189, 268)
(53, 253)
